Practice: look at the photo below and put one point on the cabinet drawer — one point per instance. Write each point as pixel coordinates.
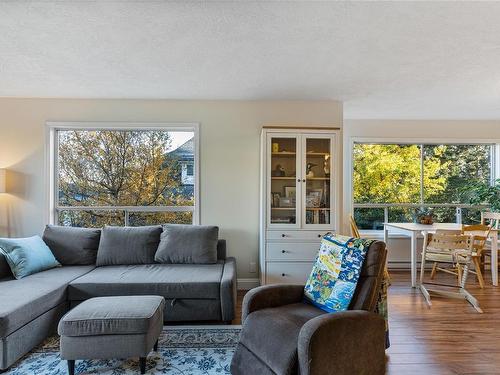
(288, 273)
(295, 235)
(286, 251)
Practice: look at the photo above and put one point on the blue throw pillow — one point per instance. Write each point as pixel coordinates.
(27, 256)
(336, 272)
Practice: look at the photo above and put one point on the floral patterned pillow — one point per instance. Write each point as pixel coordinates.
(335, 274)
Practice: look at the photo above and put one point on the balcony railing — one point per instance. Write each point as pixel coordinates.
(124, 212)
(408, 211)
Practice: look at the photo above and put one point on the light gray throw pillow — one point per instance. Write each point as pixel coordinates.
(72, 246)
(189, 244)
(128, 245)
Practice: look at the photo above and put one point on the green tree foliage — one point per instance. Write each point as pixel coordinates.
(481, 193)
(462, 165)
(118, 168)
(391, 174)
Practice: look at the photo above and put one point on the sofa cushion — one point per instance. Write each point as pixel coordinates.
(189, 244)
(113, 316)
(128, 245)
(4, 267)
(27, 256)
(26, 299)
(181, 281)
(71, 245)
(221, 250)
(281, 326)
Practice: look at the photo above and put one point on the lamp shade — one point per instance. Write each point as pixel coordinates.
(3, 173)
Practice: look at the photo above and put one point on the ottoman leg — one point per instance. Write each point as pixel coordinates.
(71, 366)
(142, 364)
(155, 348)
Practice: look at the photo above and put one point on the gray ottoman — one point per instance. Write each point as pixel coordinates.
(112, 327)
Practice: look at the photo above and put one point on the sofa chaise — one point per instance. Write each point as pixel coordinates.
(30, 308)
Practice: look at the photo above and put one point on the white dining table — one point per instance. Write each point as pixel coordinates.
(414, 229)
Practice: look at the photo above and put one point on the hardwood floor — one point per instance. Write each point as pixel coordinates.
(448, 338)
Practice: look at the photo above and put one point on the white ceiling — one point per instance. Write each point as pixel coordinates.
(384, 60)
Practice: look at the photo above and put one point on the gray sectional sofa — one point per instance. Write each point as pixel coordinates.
(30, 308)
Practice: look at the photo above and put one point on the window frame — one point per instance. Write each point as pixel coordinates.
(52, 168)
(349, 186)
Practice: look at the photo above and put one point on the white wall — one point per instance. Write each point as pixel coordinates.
(229, 148)
(452, 130)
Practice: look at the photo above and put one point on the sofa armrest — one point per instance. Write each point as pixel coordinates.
(270, 296)
(228, 290)
(348, 342)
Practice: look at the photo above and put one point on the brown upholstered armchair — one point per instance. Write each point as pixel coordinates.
(282, 335)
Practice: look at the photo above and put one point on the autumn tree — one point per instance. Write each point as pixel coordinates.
(118, 168)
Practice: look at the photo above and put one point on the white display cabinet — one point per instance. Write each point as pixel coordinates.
(299, 199)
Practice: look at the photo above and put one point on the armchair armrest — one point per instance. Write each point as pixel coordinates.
(342, 343)
(228, 290)
(270, 296)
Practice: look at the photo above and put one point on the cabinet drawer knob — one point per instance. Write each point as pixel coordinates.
(284, 251)
(304, 180)
(283, 274)
(319, 235)
(283, 235)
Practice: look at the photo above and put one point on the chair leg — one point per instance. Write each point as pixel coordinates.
(459, 272)
(426, 295)
(142, 365)
(155, 348)
(71, 366)
(465, 272)
(483, 263)
(422, 266)
(472, 300)
(434, 269)
(387, 276)
(477, 266)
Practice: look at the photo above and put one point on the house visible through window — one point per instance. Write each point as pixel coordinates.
(394, 182)
(124, 176)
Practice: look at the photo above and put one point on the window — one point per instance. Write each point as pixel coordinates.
(190, 169)
(122, 176)
(392, 182)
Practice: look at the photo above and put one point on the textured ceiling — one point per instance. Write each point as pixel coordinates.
(384, 60)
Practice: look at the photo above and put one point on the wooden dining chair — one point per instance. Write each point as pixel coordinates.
(455, 250)
(354, 227)
(355, 233)
(493, 220)
(480, 233)
(446, 267)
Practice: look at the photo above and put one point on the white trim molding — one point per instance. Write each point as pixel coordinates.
(247, 284)
(51, 161)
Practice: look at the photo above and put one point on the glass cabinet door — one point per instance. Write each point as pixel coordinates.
(283, 177)
(317, 173)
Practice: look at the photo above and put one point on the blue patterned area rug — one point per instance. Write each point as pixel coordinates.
(201, 350)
